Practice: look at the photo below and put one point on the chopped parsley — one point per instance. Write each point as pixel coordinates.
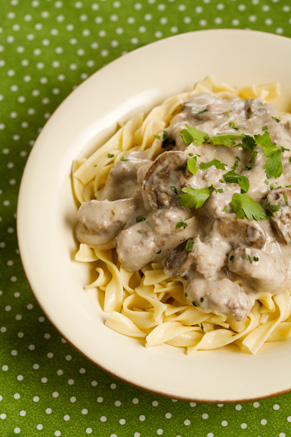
(192, 165)
(189, 245)
(202, 112)
(219, 190)
(276, 119)
(256, 259)
(266, 181)
(191, 198)
(227, 114)
(181, 224)
(283, 149)
(215, 162)
(264, 128)
(235, 165)
(272, 208)
(195, 304)
(159, 251)
(192, 135)
(225, 209)
(249, 259)
(231, 258)
(273, 166)
(201, 299)
(202, 327)
(123, 159)
(140, 218)
(110, 155)
(173, 188)
(157, 137)
(112, 212)
(233, 125)
(245, 206)
(95, 165)
(286, 199)
(227, 140)
(232, 177)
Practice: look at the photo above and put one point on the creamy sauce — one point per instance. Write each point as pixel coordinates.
(225, 261)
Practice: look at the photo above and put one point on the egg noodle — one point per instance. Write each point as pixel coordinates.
(147, 304)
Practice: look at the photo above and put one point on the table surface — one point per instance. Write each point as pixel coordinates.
(47, 388)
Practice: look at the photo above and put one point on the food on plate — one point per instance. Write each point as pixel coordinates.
(187, 215)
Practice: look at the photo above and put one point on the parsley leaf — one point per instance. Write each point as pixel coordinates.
(181, 224)
(286, 199)
(273, 166)
(201, 112)
(272, 208)
(233, 125)
(157, 137)
(266, 143)
(189, 245)
(123, 159)
(140, 218)
(192, 165)
(218, 164)
(244, 206)
(276, 119)
(173, 188)
(232, 177)
(192, 135)
(110, 155)
(191, 198)
(227, 140)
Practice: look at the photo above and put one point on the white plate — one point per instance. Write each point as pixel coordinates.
(47, 212)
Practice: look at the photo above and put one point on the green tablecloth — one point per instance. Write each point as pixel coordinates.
(48, 47)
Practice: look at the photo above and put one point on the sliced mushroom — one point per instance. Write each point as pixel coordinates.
(101, 220)
(162, 180)
(264, 271)
(179, 262)
(241, 232)
(281, 219)
(122, 179)
(220, 296)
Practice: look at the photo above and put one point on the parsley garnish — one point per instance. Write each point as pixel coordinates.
(194, 198)
(110, 155)
(192, 165)
(181, 224)
(157, 136)
(276, 119)
(225, 209)
(286, 199)
(189, 245)
(245, 206)
(123, 159)
(232, 177)
(192, 135)
(202, 112)
(140, 218)
(112, 212)
(202, 327)
(233, 125)
(231, 258)
(227, 140)
(264, 128)
(215, 162)
(227, 114)
(283, 149)
(201, 299)
(256, 259)
(159, 251)
(220, 190)
(195, 304)
(95, 165)
(173, 188)
(273, 166)
(272, 208)
(249, 259)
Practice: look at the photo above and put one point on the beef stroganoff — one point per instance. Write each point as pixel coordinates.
(186, 214)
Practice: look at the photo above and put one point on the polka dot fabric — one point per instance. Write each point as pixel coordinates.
(47, 48)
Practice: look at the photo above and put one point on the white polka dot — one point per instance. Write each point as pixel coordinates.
(244, 426)
(276, 407)
(73, 399)
(3, 416)
(160, 431)
(89, 430)
(103, 418)
(263, 422)
(5, 368)
(66, 417)
(35, 399)
(136, 401)
(94, 383)
(142, 418)
(19, 378)
(39, 426)
(204, 416)
(71, 382)
(187, 422)
(256, 404)
(117, 403)
(17, 430)
(224, 423)
(55, 394)
(22, 413)
(84, 411)
(99, 399)
(122, 421)
(48, 411)
(35, 366)
(16, 396)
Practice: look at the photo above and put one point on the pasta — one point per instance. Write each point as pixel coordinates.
(148, 304)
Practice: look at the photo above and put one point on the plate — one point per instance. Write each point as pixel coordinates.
(47, 211)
